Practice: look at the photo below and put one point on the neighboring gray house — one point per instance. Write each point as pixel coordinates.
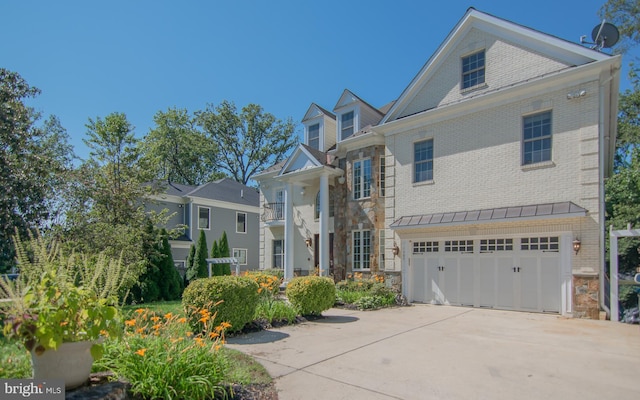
(214, 207)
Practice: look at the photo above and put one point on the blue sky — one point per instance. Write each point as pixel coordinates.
(92, 58)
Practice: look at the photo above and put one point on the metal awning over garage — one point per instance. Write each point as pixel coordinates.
(537, 211)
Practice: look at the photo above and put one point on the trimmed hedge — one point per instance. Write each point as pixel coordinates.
(311, 295)
(237, 297)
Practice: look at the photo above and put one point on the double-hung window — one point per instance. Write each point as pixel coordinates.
(536, 138)
(241, 222)
(473, 70)
(278, 254)
(361, 242)
(382, 175)
(423, 161)
(362, 179)
(347, 125)
(204, 220)
(313, 139)
(240, 255)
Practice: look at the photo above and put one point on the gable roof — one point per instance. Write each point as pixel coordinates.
(315, 110)
(348, 97)
(570, 53)
(227, 190)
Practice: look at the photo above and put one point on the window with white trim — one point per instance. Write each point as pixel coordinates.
(347, 125)
(550, 243)
(536, 138)
(381, 241)
(361, 245)
(240, 255)
(204, 218)
(241, 222)
(473, 70)
(362, 179)
(278, 254)
(313, 136)
(425, 247)
(423, 161)
(381, 174)
(331, 206)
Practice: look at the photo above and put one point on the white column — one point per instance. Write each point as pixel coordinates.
(613, 275)
(288, 233)
(323, 246)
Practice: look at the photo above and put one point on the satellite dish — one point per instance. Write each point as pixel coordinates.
(605, 35)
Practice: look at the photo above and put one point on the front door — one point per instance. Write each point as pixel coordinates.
(316, 251)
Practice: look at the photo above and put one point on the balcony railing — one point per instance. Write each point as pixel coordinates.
(273, 212)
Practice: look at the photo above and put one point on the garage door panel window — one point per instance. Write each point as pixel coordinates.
(491, 245)
(550, 243)
(425, 247)
(465, 246)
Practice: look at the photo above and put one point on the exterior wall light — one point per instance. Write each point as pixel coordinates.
(395, 249)
(576, 245)
(308, 242)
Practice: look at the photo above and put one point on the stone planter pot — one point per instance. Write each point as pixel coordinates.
(71, 362)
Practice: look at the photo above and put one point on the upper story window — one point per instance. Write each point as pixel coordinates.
(347, 126)
(204, 218)
(362, 179)
(313, 136)
(382, 175)
(473, 70)
(241, 222)
(423, 161)
(536, 138)
(331, 206)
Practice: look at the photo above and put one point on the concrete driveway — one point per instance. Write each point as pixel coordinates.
(440, 352)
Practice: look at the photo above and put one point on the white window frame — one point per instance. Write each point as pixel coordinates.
(382, 171)
(316, 211)
(361, 188)
(356, 121)
(537, 139)
(238, 213)
(308, 141)
(237, 251)
(360, 251)
(208, 218)
(381, 257)
(473, 71)
(427, 160)
(274, 254)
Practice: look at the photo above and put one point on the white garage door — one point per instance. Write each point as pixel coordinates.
(505, 273)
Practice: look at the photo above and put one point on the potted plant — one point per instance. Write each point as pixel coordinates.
(61, 307)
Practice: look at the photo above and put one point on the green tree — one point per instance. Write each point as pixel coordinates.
(199, 269)
(249, 141)
(625, 14)
(147, 288)
(223, 249)
(34, 162)
(215, 253)
(170, 283)
(188, 276)
(176, 151)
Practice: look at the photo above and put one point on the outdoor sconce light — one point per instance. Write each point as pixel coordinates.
(395, 249)
(308, 242)
(576, 245)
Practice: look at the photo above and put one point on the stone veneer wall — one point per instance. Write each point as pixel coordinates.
(353, 214)
(586, 296)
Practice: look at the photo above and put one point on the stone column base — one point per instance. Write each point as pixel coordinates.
(586, 296)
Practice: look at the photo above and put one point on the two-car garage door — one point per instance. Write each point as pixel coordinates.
(522, 273)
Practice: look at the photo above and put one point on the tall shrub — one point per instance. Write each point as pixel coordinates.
(215, 253)
(189, 267)
(223, 249)
(199, 266)
(311, 295)
(170, 282)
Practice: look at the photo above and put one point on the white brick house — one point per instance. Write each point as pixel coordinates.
(472, 187)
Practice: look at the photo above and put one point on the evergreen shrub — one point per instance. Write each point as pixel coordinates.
(311, 295)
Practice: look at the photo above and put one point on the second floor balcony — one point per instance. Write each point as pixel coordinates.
(273, 212)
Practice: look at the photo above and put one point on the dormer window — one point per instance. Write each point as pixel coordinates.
(473, 70)
(347, 125)
(313, 136)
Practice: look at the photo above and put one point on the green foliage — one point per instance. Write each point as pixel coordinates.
(35, 164)
(175, 151)
(366, 294)
(224, 252)
(189, 267)
(59, 298)
(248, 141)
(311, 295)
(278, 272)
(198, 267)
(170, 281)
(268, 284)
(15, 360)
(233, 298)
(215, 253)
(625, 14)
(275, 311)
